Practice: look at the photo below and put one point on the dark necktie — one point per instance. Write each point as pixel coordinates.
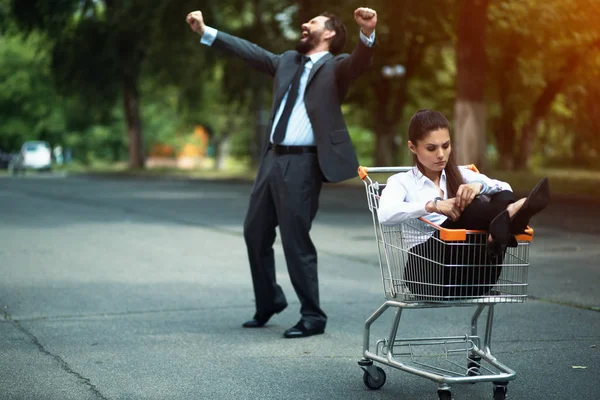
(282, 124)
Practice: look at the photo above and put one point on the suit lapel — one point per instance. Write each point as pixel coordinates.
(318, 65)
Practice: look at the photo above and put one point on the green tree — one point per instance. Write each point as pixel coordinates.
(98, 49)
(471, 61)
(29, 106)
(536, 49)
(569, 135)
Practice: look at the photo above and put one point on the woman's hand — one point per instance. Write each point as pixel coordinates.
(466, 193)
(449, 208)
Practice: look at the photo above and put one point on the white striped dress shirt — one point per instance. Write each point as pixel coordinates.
(406, 194)
(299, 130)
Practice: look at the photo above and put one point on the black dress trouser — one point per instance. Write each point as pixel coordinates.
(472, 265)
(285, 194)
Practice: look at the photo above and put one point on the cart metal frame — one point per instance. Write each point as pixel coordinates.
(413, 280)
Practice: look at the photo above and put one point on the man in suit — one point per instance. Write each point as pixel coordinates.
(307, 142)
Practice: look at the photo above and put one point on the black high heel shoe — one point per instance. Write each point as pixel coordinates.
(536, 201)
(500, 229)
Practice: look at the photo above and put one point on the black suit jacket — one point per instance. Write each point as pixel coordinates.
(326, 89)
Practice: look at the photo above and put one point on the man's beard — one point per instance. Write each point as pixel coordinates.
(304, 46)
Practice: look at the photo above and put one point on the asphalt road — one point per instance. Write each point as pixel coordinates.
(137, 288)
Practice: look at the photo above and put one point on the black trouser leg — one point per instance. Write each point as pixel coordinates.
(479, 213)
(456, 266)
(436, 268)
(259, 234)
(296, 191)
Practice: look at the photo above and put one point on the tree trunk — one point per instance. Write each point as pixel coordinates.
(469, 126)
(385, 146)
(383, 129)
(540, 108)
(528, 133)
(469, 129)
(134, 123)
(116, 151)
(220, 144)
(505, 132)
(392, 97)
(131, 57)
(261, 118)
(261, 113)
(504, 126)
(220, 156)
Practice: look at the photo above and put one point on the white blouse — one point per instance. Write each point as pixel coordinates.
(406, 194)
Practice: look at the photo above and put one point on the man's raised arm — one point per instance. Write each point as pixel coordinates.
(254, 55)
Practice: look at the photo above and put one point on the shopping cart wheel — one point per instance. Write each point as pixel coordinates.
(374, 382)
(500, 392)
(444, 395)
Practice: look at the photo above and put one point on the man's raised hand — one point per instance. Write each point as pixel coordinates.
(366, 18)
(196, 21)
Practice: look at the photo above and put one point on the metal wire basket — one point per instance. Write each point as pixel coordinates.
(426, 266)
(454, 266)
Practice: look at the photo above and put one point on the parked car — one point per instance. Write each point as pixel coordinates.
(5, 159)
(34, 154)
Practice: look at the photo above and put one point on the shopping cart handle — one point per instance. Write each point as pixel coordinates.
(449, 235)
(472, 167)
(363, 172)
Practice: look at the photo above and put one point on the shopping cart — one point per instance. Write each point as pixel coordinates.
(453, 270)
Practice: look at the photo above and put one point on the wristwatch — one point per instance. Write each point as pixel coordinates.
(435, 204)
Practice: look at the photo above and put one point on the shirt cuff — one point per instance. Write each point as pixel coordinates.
(368, 41)
(490, 190)
(484, 187)
(209, 36)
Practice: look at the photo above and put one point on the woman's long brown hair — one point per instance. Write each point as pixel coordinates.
(422, 123)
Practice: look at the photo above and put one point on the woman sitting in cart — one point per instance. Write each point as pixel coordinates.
(454, 197)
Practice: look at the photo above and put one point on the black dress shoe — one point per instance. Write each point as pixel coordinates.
(261, 319)
(305, 329)
(536, 201)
